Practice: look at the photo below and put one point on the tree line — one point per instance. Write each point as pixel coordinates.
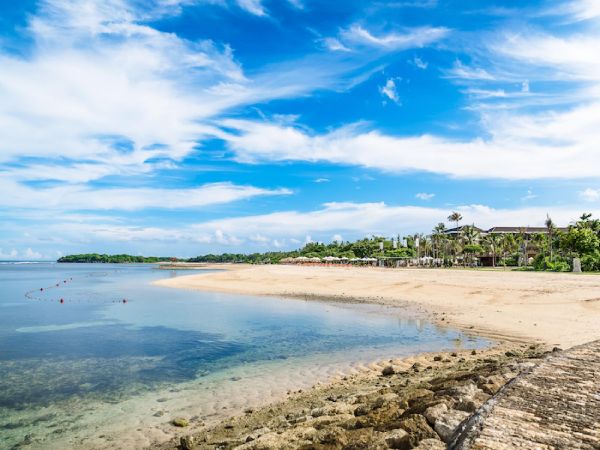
(112, 259)
(554, 250)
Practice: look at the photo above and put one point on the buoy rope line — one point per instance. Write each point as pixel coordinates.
(31, 295)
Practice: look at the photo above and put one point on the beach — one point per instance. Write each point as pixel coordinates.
(558, 309)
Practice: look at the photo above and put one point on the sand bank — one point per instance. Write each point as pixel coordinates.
(553, 308)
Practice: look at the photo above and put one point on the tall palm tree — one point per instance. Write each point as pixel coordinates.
(508, 244)
(492, 241)
(455, 217)
(470, 236)
(550, 227)
(438, 235)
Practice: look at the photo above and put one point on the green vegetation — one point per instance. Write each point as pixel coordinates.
(368, 247)
(114, 259)
(552, 250)
(581, 240)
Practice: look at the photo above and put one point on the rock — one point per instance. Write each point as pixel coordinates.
(317, 412)
(433, 413)
(464, 392)
(446, 424)
(417, 428)
(361, 410)
(159, 414)
(186, 443)
(387, 371)
(467, 406)
(397, 439)
(332, 436)
(384, 399)
(556, 349)
(437, 358)
(511, 353)
(493, 384)
(430, 444)
(180, 422)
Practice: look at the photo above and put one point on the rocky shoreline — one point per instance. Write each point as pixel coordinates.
(415, 403)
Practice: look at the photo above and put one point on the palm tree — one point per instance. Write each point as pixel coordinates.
(508, 244)
(492, 241)
(471, 237)
(550, 227)
(455, 217)
(438, 235)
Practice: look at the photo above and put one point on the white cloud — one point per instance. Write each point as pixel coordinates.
(322, 180)
(12, 254)
(390, 91)
(529, 196)
(73, 197)
(334, 44)
(590, 195)
(298, 4)
(549, 145)
(460, 71)
(411, 38)
(353, 220)
(424, 196)
(418, 62)
(525, 86)
(30, 254)
(253, 6)
(337, 238)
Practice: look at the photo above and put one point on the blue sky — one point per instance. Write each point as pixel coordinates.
(181, 127)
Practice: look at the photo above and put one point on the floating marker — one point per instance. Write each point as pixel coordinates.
(124, 300)
(62, 300)
(41, 289)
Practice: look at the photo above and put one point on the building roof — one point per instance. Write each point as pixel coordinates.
(515, 230)
(461, 228)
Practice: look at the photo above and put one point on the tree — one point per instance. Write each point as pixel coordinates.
(492, 241)
(550, 227)
(455, 217)
(438, 238)
(508, 244)
(471, 238)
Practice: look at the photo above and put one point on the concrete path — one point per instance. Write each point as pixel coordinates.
(554, 406)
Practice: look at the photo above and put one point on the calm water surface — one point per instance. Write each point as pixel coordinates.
(95, 347)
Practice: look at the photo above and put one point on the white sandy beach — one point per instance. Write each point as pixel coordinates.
(554, 308)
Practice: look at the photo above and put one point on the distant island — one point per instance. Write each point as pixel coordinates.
(113, 259)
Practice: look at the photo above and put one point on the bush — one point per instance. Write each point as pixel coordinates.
(591, 262)
(559, 264)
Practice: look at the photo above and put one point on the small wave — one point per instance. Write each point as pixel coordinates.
(23, 262)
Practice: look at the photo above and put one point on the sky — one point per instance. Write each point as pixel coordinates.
(183, 127)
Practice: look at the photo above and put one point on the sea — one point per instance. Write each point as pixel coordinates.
(96, 356)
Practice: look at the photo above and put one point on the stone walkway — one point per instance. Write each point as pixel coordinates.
(554, 406)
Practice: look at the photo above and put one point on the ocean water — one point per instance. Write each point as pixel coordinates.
(85, 348)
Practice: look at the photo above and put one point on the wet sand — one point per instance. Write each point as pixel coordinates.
(552, 308)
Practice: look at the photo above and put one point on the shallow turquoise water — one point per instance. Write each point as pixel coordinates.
(95, 347)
